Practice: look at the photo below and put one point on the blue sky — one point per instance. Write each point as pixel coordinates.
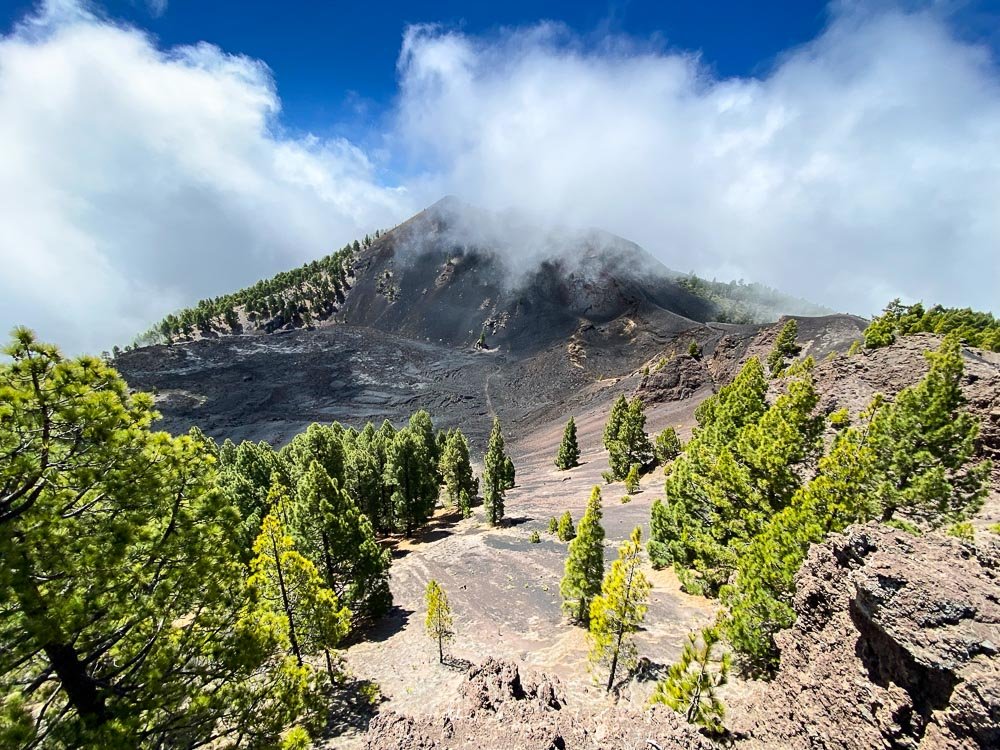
(335, 62)
(158, 152)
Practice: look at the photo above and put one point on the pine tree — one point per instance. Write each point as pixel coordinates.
(924, 442)
(508, 473)
(421, 426)
(411, 474)
(584, 570)
(245, 474)
(691, 684)
(364, 474)
(619, 610)
(632, 480)
(438, 623)
(317, 443)
(760, 599)
(785, 346)
(630, 445)
(731, 480)
(465, 504)
(285, 583)
(618, 410)
(694, 350)
(569, 451)
(456, 467)
(338, 538)
(564, 528)
(122, 581)
(668, 445)
(495, 475)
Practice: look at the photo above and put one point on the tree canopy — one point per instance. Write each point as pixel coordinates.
(979, 329)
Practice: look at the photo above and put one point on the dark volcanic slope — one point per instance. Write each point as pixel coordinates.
(449, 272)
(568, 315)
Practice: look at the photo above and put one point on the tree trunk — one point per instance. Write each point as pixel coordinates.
(614, 661)
(329, 664)
(328, 561)
(81, 690)
(80, 687)
(286, 603)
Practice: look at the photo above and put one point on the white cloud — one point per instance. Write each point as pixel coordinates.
(134, 180)
(865, 165)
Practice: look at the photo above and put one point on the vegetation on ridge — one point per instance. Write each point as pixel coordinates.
(741, 302)
(295, 298)
(979, 329)
(742, 506)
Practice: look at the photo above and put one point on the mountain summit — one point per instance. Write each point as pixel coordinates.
(454, 271)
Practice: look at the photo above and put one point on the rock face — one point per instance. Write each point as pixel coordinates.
(895, 646)
(502, 707)
(679, 378)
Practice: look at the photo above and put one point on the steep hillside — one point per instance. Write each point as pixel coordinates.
(452, 272)
(398, 321)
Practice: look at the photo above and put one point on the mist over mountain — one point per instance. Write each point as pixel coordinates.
(130, 192)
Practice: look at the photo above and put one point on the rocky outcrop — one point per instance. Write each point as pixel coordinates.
(675, 379)
(502, 706)
(895, 646)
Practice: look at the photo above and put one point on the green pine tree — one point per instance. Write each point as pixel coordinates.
(508, 473)
(691, 684)
(668, 445)
(731, 480)
(632, 480)
(465, 504)
(569, 451)
(245, 473)
(438, 622)
(421, 425)
(316, 443)
(564, 528)
(338, 538)
(495, 475)
(618, 410)
(122, 584)
(619, 610)
(286, 584)
(456, 468)
(785, 346)
(584, 570)
(630, 445)
(411, 474)
(924, 443)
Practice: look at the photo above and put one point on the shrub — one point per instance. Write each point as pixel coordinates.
(565, 530)
(962, 530)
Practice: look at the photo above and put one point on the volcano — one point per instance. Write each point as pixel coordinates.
(466, 313)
